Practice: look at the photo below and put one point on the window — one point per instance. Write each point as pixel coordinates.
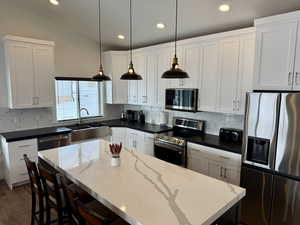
(78, 99)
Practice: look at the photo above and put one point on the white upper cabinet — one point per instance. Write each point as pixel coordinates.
(246, 71)
(297, 62)
(220, 66)
(116, 64)
(44, 75)
(164, 64)
(209, 76)
(152, 78)
(191, 65)
(30, 67)
(228, 74)
(141, 67)
(275, 52)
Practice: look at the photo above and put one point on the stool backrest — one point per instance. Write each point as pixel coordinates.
(71, 197)
(51, 186)
(34, 176)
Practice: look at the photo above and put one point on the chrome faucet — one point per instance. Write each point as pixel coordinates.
(82, 109)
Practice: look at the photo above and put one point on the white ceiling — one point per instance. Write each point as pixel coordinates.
(197, 17)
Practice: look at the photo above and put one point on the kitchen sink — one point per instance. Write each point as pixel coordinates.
(85, 132)
(79, 126)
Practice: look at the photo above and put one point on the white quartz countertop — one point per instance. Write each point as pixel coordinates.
(144, 190)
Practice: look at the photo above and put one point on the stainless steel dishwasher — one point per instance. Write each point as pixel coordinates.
(53, 141)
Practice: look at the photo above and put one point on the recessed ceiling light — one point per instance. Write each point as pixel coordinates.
(120, 36)
(224, 8)
(54, 2)
(160, 26)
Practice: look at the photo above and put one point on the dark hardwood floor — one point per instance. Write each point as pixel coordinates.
(15, 206)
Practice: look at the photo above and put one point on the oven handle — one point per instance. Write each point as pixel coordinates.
(169, 146)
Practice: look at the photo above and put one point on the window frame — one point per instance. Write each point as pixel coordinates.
(101, 103)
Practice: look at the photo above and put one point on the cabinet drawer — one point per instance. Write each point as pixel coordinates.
(19, 148)
(20, 177)
(223, 157)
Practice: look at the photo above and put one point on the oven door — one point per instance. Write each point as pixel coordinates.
(170, 153)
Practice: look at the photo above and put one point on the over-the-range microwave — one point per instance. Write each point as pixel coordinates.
(183, 99)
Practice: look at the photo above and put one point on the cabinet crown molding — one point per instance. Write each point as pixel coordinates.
(27, 40)
(280, 18)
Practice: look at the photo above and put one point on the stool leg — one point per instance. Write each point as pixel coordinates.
(33, 207)
(48, 213)
(41, 210)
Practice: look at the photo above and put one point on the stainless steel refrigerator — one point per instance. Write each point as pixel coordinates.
(271, 159)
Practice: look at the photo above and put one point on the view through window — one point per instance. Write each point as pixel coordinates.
(78, 99)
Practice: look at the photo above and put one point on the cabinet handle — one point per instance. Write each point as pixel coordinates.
(297, 78)
(237, 105)
(224, 157)
(233, 104)
(24, 146)
(290, 81)
(23, 174)
(225, 172)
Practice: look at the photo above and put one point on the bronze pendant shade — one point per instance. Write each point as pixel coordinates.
(175, 72)
(131, 74)
(100, 76)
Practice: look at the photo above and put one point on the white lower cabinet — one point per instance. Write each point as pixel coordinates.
(134, 139)
(14, 166)
(215, 163)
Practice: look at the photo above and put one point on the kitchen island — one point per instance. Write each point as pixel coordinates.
(144, 190)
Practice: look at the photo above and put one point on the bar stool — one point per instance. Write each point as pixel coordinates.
(54, 196)
(91, 216)
(73, 193)
(37, 192)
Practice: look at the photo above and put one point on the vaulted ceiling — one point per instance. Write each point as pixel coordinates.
(197, 17)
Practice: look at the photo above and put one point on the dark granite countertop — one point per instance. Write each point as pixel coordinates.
(215, 142)
(146, 127)
(34, 133)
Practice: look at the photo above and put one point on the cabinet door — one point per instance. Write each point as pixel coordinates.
(141, 67)
(132, 140)
(44, 76)
(119, 135)
(120, 87)
(133, 92)
(228, 75)
(20, 70)
(246, 71)
(164, 64)
(215, 170)
(192, 59)
(231, 174)
(197, 161)
(209, 77)
(297, 63)
(148, 144)
(275, 52)
(152, 78)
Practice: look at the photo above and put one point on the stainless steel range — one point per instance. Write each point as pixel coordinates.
(172, 146)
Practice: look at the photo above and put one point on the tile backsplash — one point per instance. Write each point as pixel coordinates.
(12, 120)
(214, 121)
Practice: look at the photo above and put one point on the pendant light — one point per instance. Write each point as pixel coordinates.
(100, 76)
(131, 74)
(175, 72)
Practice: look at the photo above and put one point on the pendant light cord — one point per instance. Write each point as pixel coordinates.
(176, 25)
(99, 30)
(130, 31)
